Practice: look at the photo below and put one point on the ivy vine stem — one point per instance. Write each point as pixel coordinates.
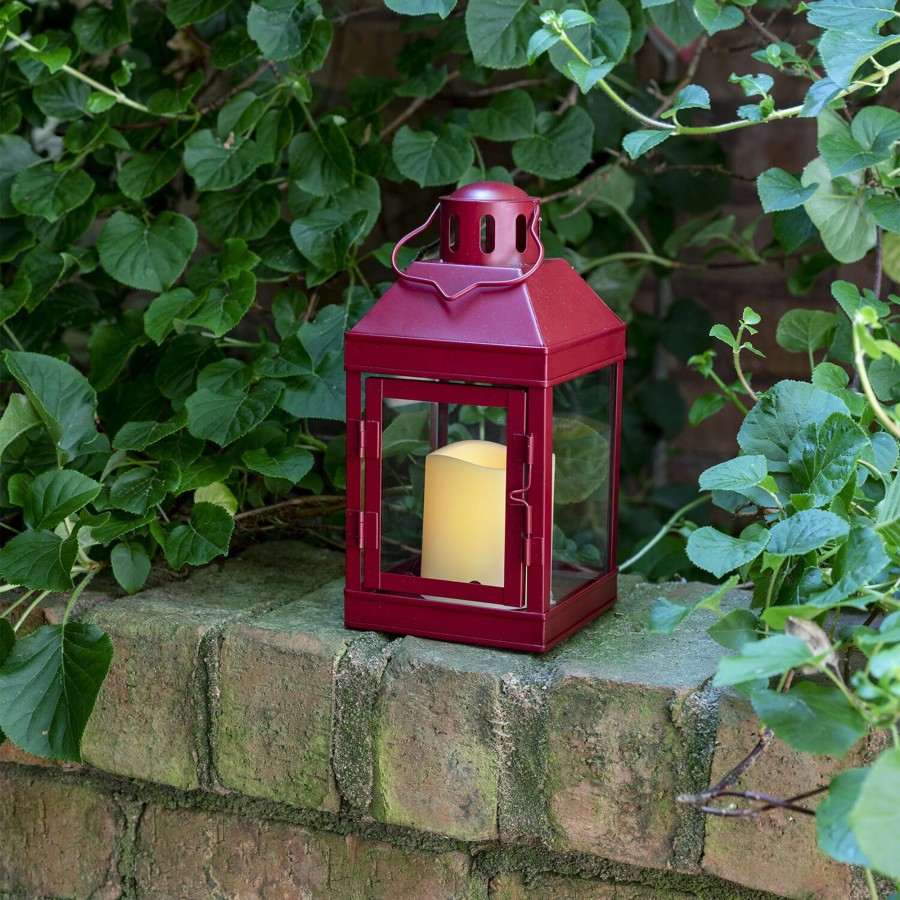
(118, 96)
(88, 578)
(859, 358)
(877, 80)
(663, 531)
(30, 609)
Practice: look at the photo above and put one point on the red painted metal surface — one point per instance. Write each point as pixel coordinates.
(505, 326)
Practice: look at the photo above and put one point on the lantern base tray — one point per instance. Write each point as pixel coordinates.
(489, 625)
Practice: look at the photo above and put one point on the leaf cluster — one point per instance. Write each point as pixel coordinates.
(818, 482)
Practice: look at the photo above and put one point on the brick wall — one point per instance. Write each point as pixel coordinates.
(247, 745)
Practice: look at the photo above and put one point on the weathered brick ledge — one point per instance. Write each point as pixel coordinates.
(247, 745)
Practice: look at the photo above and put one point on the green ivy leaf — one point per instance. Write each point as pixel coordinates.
(16, 156)
(62, 397)
(216, 164)
(112, 525)
(738, 475)
(321, 161)
(587, 75)
(822, 456)
(805, 330)
(40, 560)
(691, 96)
(432, 158)
(42, 190)
(814, 718)
(666, 616)
(147, 256)
(320, 394)
(843, 51)
(223, 305)
(850, 15)
(169, 311)
(249, 212)
(856, 563)
(63, 97)
(778, 190)
(224, 416)
(805, 531)
(130, 565)
(763, 659)
(832, 818)
(561, 146)
(441, 8)
(637, 143)
(110, 345)
(14, 297)
(55, 494)
(780, 413)
(705, 406)
(145, 173)
(325, 238)
(711, 550)
(100, 28)
(49, 685)
(885, 210)
(539, 43)
(18, 418)
(875, 819)
(138, 490)
(281, 28)
(203, 538)
(677, 21)
(186, 12)
(508, 117)
(291, 463)
(499, 32)
(141, 435)
(43, 269)
(735, 629)
(715, 18)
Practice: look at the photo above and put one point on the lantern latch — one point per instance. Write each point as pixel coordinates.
(523, 450)
(366, 436)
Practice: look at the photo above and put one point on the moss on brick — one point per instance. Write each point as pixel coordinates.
(358, 675)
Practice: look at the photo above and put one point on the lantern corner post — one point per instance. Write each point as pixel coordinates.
(538, 571)
(354, 480)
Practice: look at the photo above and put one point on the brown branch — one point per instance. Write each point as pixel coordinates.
(759, 28)
(329, 504)
(222, 99)
(689, 74)
(413, 108)
(512, 85)
(662, 168)
(570, 99)
(768, 803)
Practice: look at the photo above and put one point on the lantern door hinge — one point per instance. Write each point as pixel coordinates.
(365, 438)
(366, 532)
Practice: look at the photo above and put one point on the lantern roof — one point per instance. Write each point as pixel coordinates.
(533, 326)
(491, 307)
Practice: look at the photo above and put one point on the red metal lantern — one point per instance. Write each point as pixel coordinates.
(483, 417)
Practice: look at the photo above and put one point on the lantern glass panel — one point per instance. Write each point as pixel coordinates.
(443, 514)
(582, 413)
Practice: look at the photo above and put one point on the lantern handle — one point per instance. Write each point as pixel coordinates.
(477, 284)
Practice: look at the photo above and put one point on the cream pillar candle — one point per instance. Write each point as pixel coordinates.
(464, 528)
